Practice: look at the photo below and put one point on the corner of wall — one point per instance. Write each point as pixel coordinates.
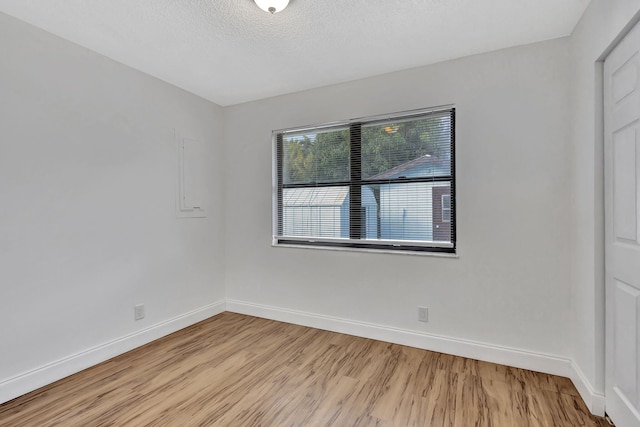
(593, 400)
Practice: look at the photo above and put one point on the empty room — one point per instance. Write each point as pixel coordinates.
(320, 213)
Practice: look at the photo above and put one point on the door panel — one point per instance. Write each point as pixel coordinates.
(624, 80)
(622, 248)
(626, 340)
(624, 184)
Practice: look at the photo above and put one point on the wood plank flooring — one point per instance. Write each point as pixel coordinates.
(235, 370)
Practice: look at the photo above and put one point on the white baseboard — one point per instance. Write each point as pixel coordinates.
(51, 372)
(475, 350)
(593, 399)
(538, 362)
(47, 374)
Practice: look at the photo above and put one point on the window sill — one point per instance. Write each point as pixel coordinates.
(374, 251)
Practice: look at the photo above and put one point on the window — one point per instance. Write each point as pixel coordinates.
(378, 183)
(446, 207)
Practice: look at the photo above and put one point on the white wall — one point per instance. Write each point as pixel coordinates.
(88, 174)
(510, 286)
(602, 24)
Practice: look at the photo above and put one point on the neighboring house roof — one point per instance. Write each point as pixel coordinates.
(437, 166)
(426, 165)
(314, 196)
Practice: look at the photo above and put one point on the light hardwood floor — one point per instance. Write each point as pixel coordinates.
(235, 370)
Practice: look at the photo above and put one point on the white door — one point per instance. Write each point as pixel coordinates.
(622, 232)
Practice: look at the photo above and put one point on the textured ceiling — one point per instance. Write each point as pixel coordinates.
(230, 51)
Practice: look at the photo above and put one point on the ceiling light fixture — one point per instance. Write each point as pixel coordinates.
(272, 6)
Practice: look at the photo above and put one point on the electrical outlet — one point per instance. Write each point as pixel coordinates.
(139, 311)
(423, 314)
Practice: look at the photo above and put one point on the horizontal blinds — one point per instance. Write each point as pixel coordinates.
(386, 182)
(418, 147)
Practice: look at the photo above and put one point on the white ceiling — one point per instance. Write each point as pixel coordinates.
(230, 51)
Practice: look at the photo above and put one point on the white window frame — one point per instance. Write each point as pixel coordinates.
(396, 246)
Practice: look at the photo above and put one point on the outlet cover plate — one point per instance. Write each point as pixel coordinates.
(139, 311)
(423, 314)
